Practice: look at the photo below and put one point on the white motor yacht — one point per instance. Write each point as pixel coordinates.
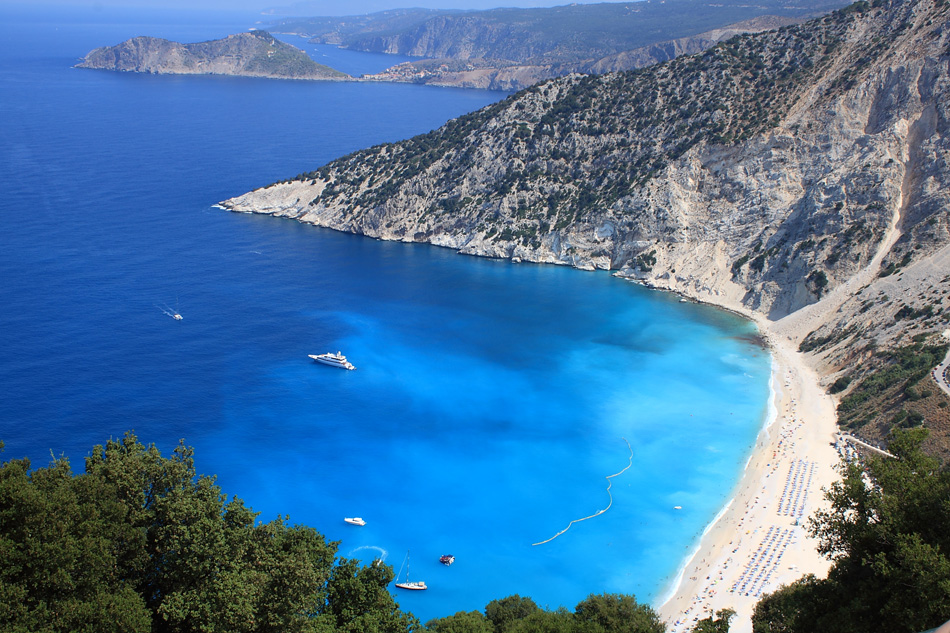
(335, 360)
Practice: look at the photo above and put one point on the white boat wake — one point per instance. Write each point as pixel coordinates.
(169, 312)
(382, 553)
(599, 512)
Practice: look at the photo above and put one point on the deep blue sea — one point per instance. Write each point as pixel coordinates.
(491, 400)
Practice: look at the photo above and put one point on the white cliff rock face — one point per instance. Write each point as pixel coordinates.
(843, 173)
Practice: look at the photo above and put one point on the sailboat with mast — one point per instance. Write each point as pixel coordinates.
(418, 585)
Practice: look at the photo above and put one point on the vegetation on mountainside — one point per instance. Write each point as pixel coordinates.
(286, 60)
(892, 388)
(548, 157)
(886, 532)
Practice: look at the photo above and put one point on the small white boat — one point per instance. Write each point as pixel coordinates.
(175, 314)
(418, 585)
(446, 559)
(334, 360)
(354, 520)
(415, 586)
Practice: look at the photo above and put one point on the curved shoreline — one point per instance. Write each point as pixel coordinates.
(674, 586)
(720, 572)
(805, 430)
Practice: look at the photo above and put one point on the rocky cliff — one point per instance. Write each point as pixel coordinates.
(802, 173)
(254, 54)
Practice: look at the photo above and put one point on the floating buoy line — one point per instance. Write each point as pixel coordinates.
(600, 512)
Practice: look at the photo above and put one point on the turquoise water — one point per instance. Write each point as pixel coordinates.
(491, 400)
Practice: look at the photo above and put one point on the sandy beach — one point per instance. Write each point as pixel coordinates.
(759, 541)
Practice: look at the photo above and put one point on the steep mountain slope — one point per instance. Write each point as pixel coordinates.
(254, 54)
(802, 173)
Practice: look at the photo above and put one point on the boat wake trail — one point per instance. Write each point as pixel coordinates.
(599, 512)
(382, 553)
(167, 311)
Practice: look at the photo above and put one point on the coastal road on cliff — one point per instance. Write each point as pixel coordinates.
(941, 370)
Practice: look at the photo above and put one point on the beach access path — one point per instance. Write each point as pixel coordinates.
(760, 542)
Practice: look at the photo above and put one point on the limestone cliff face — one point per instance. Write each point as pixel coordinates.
(255, 54)
(803, 173)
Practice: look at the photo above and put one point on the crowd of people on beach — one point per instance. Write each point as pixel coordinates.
(753, 563)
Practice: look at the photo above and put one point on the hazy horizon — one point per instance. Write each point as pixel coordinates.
(291, 8)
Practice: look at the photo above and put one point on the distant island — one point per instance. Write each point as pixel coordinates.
(253, 54)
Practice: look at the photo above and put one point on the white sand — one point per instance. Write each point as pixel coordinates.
(759, 543)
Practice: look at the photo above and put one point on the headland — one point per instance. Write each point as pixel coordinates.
(253, 54)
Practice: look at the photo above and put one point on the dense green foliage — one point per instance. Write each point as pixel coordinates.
(886, 532)
(604, 613)
(141, 543)
(718, 623)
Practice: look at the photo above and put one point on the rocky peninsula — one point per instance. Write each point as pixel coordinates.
(253, 54)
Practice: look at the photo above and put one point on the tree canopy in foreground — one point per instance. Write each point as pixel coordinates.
(888, 533)
(603, 613)
(140, 543)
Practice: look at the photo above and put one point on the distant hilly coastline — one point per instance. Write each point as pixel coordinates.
(254, 54)
(492, 74)
(510, 49)
(497, 49)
